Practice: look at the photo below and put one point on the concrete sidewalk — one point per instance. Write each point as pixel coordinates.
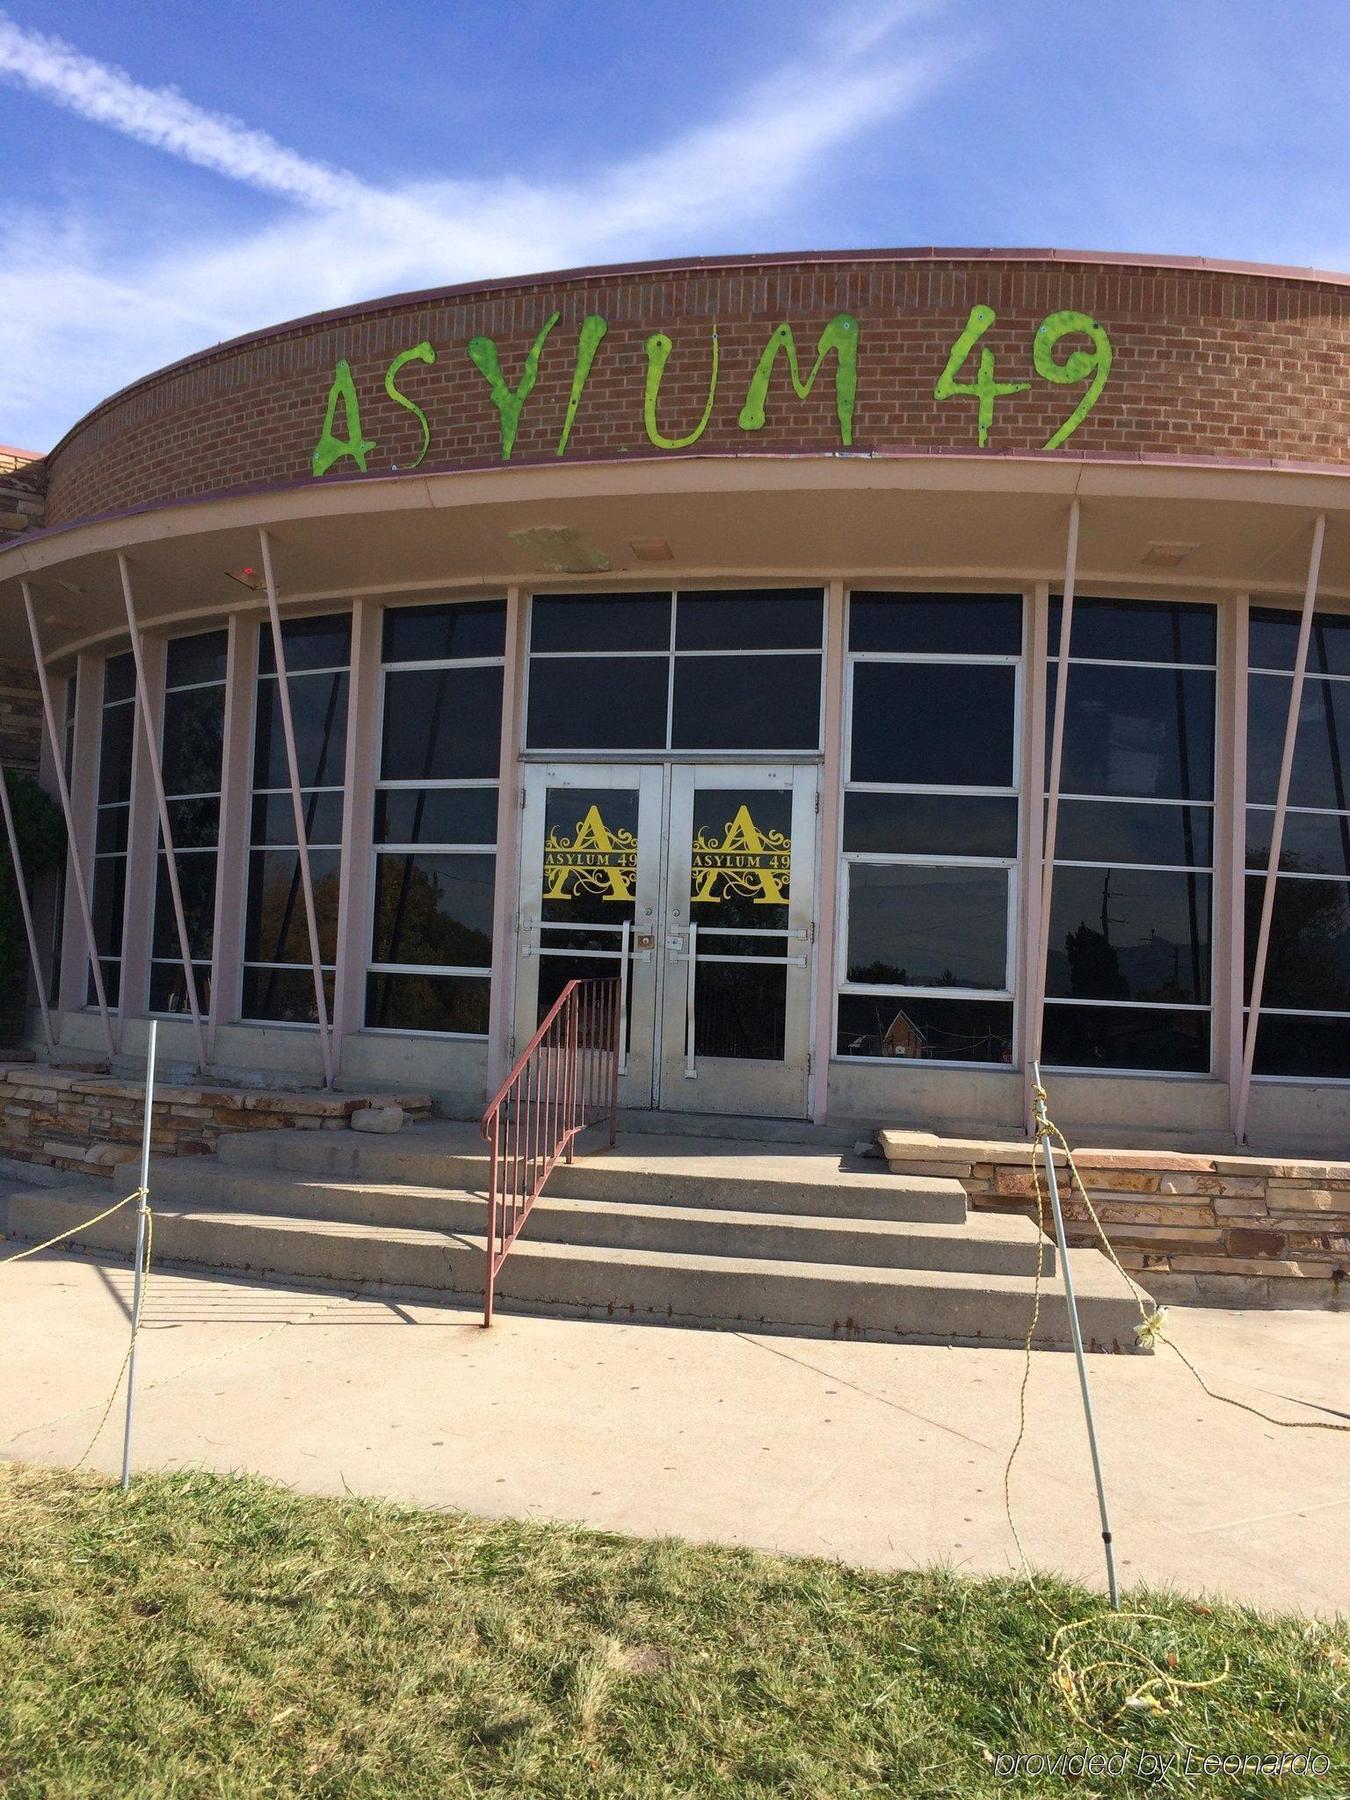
(887, 1455)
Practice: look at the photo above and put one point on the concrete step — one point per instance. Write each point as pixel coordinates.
(986, 1241)
(658, 1171)
(942, 1305)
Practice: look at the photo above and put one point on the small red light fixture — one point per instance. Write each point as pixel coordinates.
(247, 577)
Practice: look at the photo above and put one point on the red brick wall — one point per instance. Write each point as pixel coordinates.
(1207, 363)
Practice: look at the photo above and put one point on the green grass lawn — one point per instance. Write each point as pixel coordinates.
(225, 1637)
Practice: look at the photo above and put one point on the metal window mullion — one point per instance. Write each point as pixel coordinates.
(297, 807)
(1242, 1095)
(162, 807)
(63, 789)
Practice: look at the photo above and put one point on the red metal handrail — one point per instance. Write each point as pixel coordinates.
(565, 1077)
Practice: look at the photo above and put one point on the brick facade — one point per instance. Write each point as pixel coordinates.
(22, 503)
(1207, 364)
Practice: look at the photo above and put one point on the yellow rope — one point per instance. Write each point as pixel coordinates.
(74, 1230)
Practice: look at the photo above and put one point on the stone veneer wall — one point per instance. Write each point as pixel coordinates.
(1210, 1230)
(91, 1123)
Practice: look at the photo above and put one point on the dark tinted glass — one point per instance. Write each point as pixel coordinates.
(1145, 732)
(119, 678)
(324, 643)
(598, 703)
(432, 633)
(274, 927)
(194, 733)
(600, 622)
(436, 816)
(933, 724)
(108, 903)
(1272, 641)
(110, 833)
(1308, 959)
(1321, 771)
(1136, 631)
(1313, 843)
(194, 659)
(283, 994)
(168, 987)
(441, 724)
(428, 1003)
(934, 624)
(1319, 1047)
(931, 824)
(766, 619)
(274, 819)
(115, 747)
(911, 1029)
(434, 909)
(195, 824)
(916, 927)
(1125, 1037)
(112, 983)
(740, 1012)
(1129, 934)
(746, 703)
(319, 709)
(197, 884)
(1099, 831)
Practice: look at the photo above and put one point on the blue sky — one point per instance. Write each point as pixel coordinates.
(187, 172)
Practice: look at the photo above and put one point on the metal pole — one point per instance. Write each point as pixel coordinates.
(63, 789)
(1042, 1120)
(16, 863)
(157, 778)
(141, 1214)
(1276, 830)
(298, 808)
(1040, 959)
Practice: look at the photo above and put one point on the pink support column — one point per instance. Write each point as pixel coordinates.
(16, 864)
(298, 810)
(162, 807)
(506, 901)
(1036, 985)
(63, 789)
(1242, 1094)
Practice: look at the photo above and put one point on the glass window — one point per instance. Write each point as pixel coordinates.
(911, 926)
(192, 742)
(915, 1028)
(1130, 914)
(1133, 631)
(706, 670)
(930, 824)
(598, 703)
(582, 622)
(117, 737)
(1304, 1026)
(933, 705)
(1142, 733)
(59, 895)
(278, 980)
(746, 703)
(929, 724)
(936, 624)
(436, 798)
(760, 619)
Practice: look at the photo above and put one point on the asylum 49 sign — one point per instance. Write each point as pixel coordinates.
(1068, 349)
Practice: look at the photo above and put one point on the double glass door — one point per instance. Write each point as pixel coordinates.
(695, 885)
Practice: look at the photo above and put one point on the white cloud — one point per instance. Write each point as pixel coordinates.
(88, 308)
